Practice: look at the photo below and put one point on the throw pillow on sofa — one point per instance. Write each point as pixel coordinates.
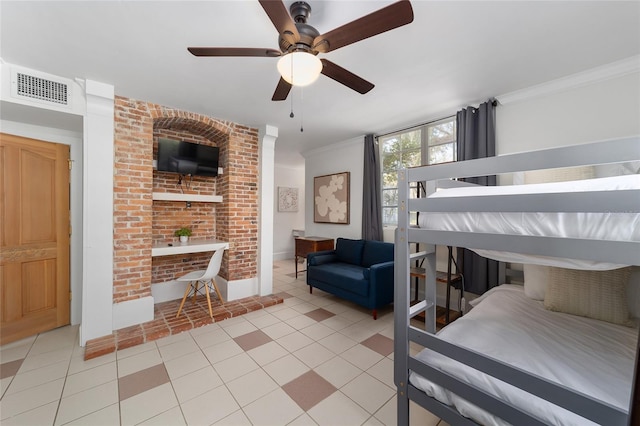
(349, 251)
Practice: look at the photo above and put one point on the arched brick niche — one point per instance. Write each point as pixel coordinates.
(139, 221)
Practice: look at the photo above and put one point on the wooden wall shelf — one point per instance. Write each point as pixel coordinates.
(193, 246)
(196, 198)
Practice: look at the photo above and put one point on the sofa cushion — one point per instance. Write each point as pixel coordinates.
(349, 251)
(343, 275)
(376, 252)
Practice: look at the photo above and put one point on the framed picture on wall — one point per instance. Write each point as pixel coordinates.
(331, 198)
(287, 199)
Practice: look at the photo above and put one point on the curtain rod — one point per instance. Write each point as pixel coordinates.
(414, 126)
(494, 102)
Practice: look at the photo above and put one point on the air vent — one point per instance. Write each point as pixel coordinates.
(42, 89)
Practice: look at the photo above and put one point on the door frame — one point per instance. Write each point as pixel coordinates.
(74, 141)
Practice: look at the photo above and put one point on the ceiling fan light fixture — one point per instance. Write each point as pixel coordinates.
(299, 68)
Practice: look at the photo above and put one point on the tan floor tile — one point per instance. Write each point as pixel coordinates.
(267, 353)
(338, 371)
(20, 402)
(368, 392)
(251, 386)
(286, 369)
(314, 355)
(275, 408)
(90, 378)
(235, 419)
(147, 405)
(338, 409)
(186, 364)
(171, 417)
(210, 407)
(44, 415)
(87, 402)
(107, 416)
(234, 367)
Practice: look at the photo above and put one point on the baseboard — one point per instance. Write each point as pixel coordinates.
(172, 290)
(132, 312)
(240, 289)
(283, 255)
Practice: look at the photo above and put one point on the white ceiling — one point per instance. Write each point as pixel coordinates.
(453, 54)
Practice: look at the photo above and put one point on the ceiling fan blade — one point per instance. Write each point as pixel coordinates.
(282, 90)
(345, 77)
(233, 51)
(385, 19)
(277, 12)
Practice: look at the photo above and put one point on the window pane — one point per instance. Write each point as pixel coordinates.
(390, 197)
(413, 192)
(413, 218)
(389, 216)
(411, 158)
(390, 180)
(442, 132)
(441, 153)
(410, 140)
(391, 144)
(391, 161)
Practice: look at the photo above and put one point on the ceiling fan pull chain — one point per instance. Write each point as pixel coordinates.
(291, 115)
(301, 109)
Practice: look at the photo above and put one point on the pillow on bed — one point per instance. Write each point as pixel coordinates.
(594, 294)
(536, 278)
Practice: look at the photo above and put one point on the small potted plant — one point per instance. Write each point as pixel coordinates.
(184, 234)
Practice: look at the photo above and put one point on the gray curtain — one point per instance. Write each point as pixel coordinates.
(476, 139)
(371, 192)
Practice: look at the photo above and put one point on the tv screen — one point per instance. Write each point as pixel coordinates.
(187, 158)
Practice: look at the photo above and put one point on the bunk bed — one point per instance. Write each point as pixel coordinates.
(510, 360)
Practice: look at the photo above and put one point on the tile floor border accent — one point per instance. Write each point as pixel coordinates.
(193, 315)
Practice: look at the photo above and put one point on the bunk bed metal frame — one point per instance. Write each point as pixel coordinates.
(625, 252)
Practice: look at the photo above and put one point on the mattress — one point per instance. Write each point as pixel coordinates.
(598, 226)
(594, 357)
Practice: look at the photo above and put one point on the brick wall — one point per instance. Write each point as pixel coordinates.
(139, 221)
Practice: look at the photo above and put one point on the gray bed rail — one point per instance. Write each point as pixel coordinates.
(626, 252)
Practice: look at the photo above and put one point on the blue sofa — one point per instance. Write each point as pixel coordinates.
(360, 271)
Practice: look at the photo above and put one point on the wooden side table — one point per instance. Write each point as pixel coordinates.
(306, 245)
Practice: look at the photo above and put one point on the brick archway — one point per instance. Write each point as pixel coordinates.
(236, 217)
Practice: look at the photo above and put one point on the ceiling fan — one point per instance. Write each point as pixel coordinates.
(300, 44)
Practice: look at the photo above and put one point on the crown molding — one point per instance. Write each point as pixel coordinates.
(594, 75)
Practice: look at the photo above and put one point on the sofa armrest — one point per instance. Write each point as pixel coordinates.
(321, 257)
(381, 279)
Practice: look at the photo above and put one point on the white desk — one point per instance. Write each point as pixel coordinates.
(193, 246)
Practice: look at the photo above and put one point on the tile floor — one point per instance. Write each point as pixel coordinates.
(194, 314)
(311, 360)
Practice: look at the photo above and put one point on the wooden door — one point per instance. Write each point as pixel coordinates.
(34, 250)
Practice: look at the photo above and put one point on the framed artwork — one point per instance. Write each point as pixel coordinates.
(331, 198)
(287, 199)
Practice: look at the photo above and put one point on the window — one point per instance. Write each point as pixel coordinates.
(431, 143)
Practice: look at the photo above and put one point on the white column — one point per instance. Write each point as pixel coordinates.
(267, 138)
(97, 265)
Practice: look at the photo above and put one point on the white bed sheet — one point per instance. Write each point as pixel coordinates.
(598, 226)
(591, 356)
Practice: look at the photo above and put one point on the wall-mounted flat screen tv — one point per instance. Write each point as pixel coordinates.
(187, 158)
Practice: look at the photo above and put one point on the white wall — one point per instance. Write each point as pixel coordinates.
(591, 106)
(600, 110)
(285, 222)
(345, 156)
